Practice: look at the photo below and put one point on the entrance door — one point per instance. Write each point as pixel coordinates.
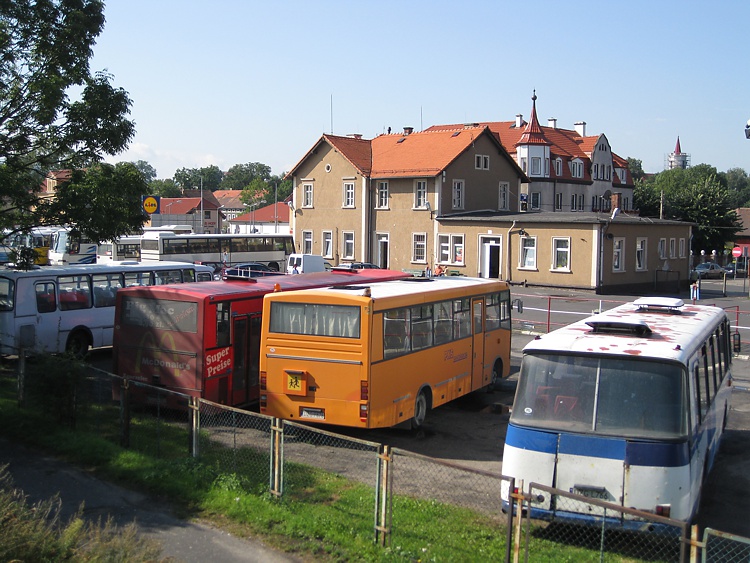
(490, 258)
(383, 251)
(477, 361)
(246, 335)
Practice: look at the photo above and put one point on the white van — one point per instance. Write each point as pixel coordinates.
(305, 263)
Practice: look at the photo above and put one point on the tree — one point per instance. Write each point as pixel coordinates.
(636, 169)
(147, 171)
(45, 47)
(110, 195)
(193, 178)
(239, 176)
(257, 191)
(164, 188)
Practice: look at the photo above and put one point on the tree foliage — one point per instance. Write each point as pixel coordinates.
(209, 177)
(45, 47)
(697, 195)
(240, 176)
(164, 188)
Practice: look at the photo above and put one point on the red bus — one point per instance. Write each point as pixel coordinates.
(203, 339)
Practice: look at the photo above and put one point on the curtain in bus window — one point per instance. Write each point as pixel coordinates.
(7, 289)
(75, 292)
(315, 319)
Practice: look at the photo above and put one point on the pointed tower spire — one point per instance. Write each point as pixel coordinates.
(677, 149)
(533, 135)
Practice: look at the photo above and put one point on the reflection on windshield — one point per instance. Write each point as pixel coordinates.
(612, 396)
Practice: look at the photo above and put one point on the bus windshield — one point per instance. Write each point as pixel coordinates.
(631, 398)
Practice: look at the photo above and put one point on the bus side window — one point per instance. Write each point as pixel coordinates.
(222, 324)
(45, 297)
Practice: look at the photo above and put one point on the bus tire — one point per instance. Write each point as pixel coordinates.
(274, 266)
(78, 343)
(421, 406)
(497, 375)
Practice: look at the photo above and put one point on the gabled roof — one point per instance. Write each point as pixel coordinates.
(268, 214)
(354, 149)
(184, 205)
(229, 199)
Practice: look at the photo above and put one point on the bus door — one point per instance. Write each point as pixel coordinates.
(477, 362)
(246, 332)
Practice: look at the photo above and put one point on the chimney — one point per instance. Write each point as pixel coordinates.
(581, 128)
(519, 120)
(552, 122)
(408, 130)
(355, 135)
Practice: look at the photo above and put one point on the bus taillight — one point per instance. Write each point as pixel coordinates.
(263, 402)
(364, 391)
(363, 412)
(263, 381)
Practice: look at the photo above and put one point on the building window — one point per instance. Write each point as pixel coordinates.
(528, 253)
(596, 172)
(420, 194)
(580, 202)
(561, 254)
(536, 200)
(682, 248)
(558, 167)
(481, 162)
(640, 254)
(558, 201)
(502, 202)
(382, 195)
(307, 195)
(307, 242)
(327, 244)
(618, 255)
(458, 194)
(662, 248)
(536, 166)
(451, 249)
(348, 194)
(348, 245)
(573, 202)
(523, 164)
(672, 248)
(576, 169)
(625, 204)
(419, 248)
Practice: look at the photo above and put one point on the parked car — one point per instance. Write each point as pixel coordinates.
(358, 265)
(736, 270)
(707, 270)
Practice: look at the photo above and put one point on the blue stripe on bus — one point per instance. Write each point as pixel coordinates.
(534, 440)
(649, 454)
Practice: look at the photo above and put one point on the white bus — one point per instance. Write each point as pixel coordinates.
(225, 249)
(126, 248)
(66, 249)
(70, 309)
(38, 238)
(627, 406)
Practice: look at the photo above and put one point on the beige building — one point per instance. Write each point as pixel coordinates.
(455, 196)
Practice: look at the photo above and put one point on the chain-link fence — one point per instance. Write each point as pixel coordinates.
(276, 456)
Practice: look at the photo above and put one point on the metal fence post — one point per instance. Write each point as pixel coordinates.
(21, 377)
(195, 426)
(383, 497)
(276, 485)
(125, 414)
(517, 497)
(509, 526)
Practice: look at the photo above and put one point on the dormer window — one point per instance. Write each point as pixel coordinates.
(558, 167)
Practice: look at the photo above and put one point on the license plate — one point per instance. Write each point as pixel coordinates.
(599, 493)
(317, 414)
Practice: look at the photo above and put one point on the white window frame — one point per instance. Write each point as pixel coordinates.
(641, 254)
(618, 254)
(481, 162)
(307, 242)
(535, 200)
(682, 248)
(673, 248)
(558, 167)
(327, 244)
(559, 250)
(307, 196)
(458, 194)
(347, 245)
(527, 253)
(420, 194)
(662, 248)
(419, 248)
(451, 250)
(573, 202)
(503, 191)
(382, 195)
(536, 166)
(348, 199)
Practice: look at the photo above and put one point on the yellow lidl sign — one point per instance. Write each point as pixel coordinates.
(151, 204)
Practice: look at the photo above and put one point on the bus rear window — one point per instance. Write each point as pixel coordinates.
(6, 294)
(180, 316)
(313, 319)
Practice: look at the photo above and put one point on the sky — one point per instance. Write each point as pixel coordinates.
(237, 81)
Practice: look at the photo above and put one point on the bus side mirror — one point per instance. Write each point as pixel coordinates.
(518, 304)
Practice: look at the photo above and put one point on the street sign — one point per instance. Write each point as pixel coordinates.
(736, 252)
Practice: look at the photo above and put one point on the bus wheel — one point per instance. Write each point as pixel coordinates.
(274, 266)
(78, 344)
(497, 376)
(420, 410)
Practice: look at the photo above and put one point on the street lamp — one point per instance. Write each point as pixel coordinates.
(254, 206)
(166, 209)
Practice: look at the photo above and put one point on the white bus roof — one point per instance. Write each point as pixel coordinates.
(648, 327)
(124, 266)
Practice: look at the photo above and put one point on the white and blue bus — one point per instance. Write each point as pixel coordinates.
(627, 406)
(72, 308)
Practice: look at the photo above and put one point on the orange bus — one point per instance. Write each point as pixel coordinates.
(380, 354)
(204, 339)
